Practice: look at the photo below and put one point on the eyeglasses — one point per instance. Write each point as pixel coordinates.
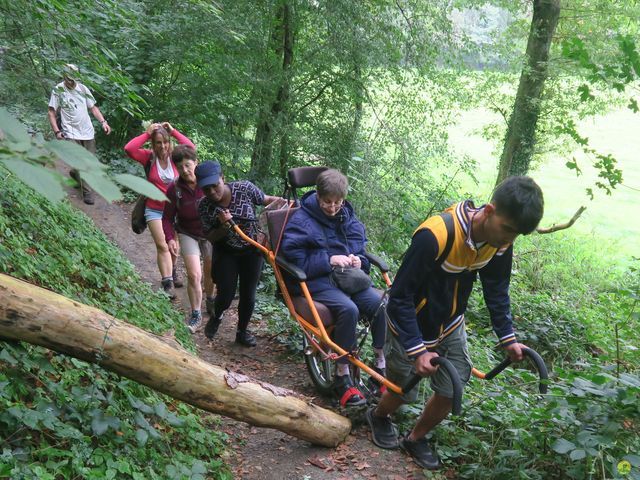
(325, 204)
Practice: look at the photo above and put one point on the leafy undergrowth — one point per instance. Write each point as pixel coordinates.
(64, 418)
(581, 315)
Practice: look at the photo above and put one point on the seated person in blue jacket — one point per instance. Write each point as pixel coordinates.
(325, 234)
(428, 300)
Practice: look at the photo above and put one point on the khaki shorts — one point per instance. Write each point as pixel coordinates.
(191, 246)
(400, 368)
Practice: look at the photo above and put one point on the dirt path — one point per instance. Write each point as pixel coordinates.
(258, 453)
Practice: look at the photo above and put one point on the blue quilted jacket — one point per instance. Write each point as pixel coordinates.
(311, 238)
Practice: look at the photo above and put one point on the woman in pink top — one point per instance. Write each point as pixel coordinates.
(161, 172)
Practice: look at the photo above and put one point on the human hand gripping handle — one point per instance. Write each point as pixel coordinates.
(535, 358)
(427, 364)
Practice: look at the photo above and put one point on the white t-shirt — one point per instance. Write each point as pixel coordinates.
(74, 105)
(167, 175)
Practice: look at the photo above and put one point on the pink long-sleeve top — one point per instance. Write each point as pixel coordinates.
(143, 156)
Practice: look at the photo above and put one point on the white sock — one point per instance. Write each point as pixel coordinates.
(380, 360)
(342, 369)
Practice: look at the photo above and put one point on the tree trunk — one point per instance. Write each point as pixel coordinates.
(282, 41)
(520, 138)
(38, 316)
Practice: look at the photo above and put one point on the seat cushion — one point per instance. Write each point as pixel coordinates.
(302, 307)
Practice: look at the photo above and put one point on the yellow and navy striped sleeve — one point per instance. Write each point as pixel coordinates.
(417, 264)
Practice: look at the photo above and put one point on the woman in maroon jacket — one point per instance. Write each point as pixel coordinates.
(181, 216)
(161, 172)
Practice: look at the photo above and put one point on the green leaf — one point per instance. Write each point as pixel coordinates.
(562, 446)
(577, 454)
(585, 94)
(140, 185)
(74, 155)
(160, 410)
(199, 467)
(102, 185)
(41, 179)
(633, 460)
(5, 356)
(142, 436)
(99, 424)
(11, 128)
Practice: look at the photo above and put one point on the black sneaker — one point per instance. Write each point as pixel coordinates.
(383, 432)
(244, 337)
(421, 453)
(195, 321)
(211, 328)
(347, 393)
(167, 287)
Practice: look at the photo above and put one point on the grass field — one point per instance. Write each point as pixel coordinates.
(609, 221)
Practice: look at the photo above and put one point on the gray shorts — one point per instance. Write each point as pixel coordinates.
(400, 368)
(191, 246)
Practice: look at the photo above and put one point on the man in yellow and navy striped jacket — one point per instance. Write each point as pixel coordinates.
(429, 297)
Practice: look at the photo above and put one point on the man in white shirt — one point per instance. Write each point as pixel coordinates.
(74, 100)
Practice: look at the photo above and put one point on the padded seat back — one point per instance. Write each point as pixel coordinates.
(276, 221)
(304, 176)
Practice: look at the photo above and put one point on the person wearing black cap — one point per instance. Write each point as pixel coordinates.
(233, 259)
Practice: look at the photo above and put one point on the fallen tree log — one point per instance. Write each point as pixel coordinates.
(41, 317)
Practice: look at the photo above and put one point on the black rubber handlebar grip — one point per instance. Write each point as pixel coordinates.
(456, 408)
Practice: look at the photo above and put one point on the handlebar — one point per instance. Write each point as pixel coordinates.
(535, 358)
(455, 381)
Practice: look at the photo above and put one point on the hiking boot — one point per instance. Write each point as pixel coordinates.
(383, 432)
(244, 337)
(195, 321)
(347, 393)
(167, 287)
(210, 304)
(87, 195)
(211, 328)
(177, 279)
(421, 452)
(377, 388)
(73, 173)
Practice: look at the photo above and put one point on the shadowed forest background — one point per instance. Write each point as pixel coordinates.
(420, 104)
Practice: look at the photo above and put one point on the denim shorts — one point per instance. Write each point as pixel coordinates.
(400, 367)
(152, 214)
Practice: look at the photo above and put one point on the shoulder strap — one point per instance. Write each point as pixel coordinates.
(147, 167)
(451, 234)
(178, 193)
